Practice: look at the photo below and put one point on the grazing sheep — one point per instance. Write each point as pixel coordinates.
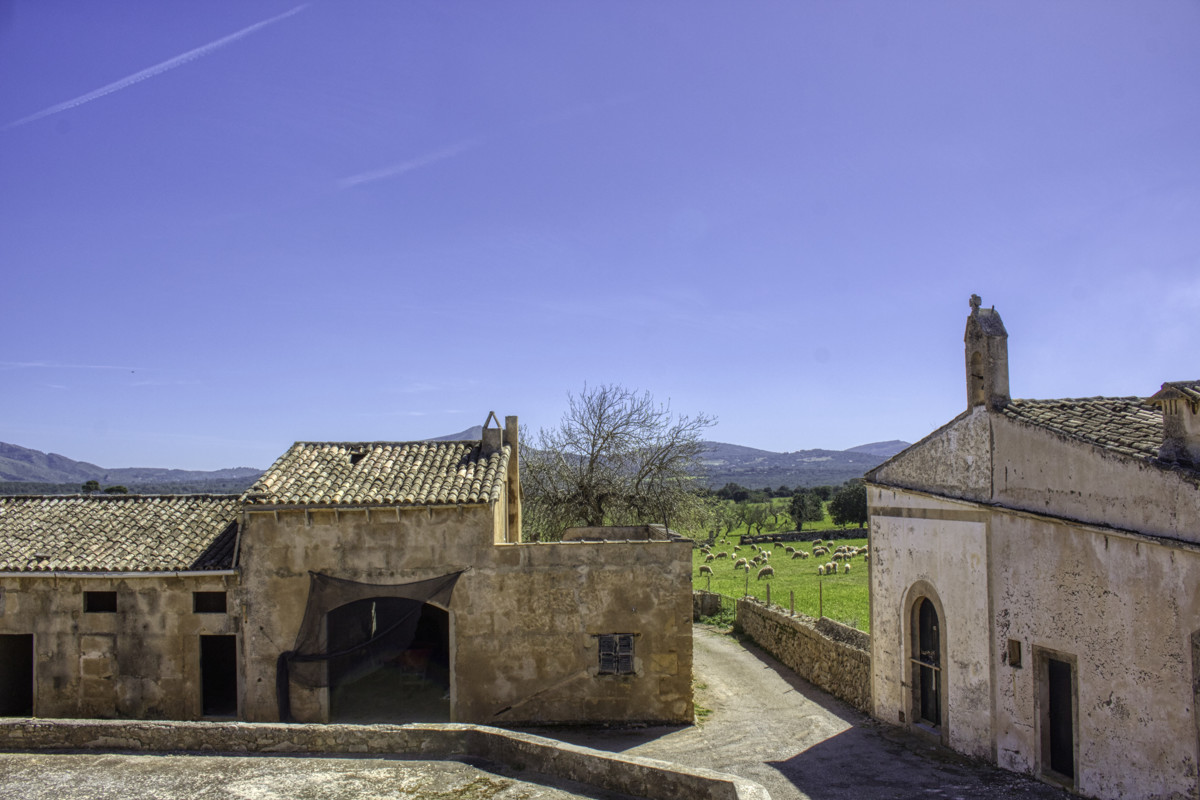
(846, 569)
(708, 558)
(819, 551)
(706, 570)
(737, 547)
(798, 554)
(867, 557)
(777, 544)
(766, 572)
(789, 550)
(831, 568)
(821, 569)
(741, 562)
(722, 554)
(818, 542)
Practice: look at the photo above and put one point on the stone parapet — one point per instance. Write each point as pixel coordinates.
(827, 654)
(638, 777)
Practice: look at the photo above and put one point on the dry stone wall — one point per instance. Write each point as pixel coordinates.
(827, 654)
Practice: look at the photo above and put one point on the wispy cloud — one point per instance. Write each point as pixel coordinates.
(54, 365)
(458, 148)
(157, 69)
(414, 163)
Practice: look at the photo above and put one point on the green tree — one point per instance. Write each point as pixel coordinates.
(849, 505)
(805, 507)
(91, 486)
(616, 458)
(116, 490)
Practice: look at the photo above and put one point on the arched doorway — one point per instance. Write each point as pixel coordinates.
(926, 660)
(393, 663)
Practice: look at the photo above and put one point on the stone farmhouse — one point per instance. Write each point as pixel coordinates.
(1033, 576)
(375, 581)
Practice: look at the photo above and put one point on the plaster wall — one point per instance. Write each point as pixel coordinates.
(1037, 470)
(1125, 609)
(954, 460)
(523, 618)
(922, 545)
(142, 662)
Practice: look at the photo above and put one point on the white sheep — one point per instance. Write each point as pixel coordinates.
(706, 570)
(820, 569)
(846, 569)
(722, 554)
(741, 562)
(708, 558)
(766, 572)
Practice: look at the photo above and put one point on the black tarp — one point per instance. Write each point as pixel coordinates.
(362, 641)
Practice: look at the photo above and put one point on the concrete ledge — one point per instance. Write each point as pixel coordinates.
(641, 777)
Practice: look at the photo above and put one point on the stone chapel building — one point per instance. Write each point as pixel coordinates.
(1033, 576)
(359, 582)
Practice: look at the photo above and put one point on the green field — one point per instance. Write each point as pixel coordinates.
(841, 597)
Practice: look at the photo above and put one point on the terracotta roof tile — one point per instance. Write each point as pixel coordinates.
(117, 533)
(382, 473)
(1126, 425)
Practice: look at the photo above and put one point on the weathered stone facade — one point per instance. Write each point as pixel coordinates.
(827, 654)
(152, 607)
(1032, 603)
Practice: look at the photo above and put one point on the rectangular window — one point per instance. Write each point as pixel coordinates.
(616, 653)
(1014, 653)
(100, 602)
(208, 602)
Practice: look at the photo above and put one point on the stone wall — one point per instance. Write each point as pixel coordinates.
(827, 654)
(630, 775)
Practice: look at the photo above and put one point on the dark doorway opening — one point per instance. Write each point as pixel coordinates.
(218, 676)
(1060, 718)
(927, 664)
(16, 675)
(401, 673)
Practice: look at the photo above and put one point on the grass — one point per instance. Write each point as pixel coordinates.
(842, 597)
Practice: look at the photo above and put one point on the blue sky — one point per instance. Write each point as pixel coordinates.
(228, 226)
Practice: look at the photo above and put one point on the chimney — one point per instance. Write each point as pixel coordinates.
(1180, 404)
(491, 438)
(512, 439)
(986, 343)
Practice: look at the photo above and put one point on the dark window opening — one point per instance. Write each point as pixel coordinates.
(616, 653)
(100, 602)
(208, 602)
(357, 457)
(1014, 653)
(927, 665)
(1059, 741)
(16, 675)
(218, 676)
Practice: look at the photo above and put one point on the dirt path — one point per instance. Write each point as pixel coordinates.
(771, 727)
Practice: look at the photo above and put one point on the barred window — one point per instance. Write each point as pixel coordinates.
(616, 653)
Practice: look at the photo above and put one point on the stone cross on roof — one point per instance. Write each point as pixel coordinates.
(976, 302)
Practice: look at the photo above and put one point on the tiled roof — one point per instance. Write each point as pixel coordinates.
(382, 473)
(117, 533)
(1127, 425)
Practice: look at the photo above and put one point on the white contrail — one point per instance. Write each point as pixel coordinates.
(411, 164)
(157, 69)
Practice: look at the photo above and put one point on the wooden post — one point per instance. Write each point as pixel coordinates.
(820, 599)
(793, 593)
(747, 592)
(768, 594)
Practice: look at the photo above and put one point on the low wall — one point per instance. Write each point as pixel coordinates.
(705, 604)
(827, 654)
(640, 777)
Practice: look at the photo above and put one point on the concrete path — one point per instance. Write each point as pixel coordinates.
(769, 726)
(123, 776)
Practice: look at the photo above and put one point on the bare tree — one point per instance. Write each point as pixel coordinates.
(616, 458)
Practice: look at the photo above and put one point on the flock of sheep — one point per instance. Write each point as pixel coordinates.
(839, 558)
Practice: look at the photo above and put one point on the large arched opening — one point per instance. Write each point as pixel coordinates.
(390, 663)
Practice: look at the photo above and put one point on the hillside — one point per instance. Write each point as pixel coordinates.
(44, 471)
(757, 469)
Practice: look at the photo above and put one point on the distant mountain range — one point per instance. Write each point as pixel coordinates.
(27, 471)
(50, 473)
